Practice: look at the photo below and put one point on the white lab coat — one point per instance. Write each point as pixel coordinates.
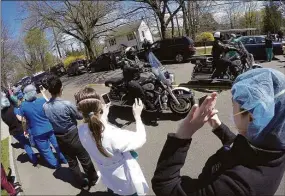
(120, 172)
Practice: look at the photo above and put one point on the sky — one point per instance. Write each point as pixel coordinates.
(10, 16)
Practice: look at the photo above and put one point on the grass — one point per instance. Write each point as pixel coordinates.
(5, 158)
(201, 51)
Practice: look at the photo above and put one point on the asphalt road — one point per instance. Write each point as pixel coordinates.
(44, 181)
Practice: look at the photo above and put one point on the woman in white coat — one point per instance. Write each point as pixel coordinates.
(110, 146)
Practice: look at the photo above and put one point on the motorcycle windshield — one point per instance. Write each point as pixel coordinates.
(157, 68)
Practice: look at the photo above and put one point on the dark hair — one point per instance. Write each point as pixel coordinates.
(54, 84)
(88, 102)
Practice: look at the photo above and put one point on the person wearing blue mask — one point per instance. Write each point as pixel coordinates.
(40, 127)
(15, 127)
(251, 163)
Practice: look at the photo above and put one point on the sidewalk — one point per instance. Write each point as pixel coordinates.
(46, 181)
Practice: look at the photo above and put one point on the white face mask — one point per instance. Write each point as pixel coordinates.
(232, 119)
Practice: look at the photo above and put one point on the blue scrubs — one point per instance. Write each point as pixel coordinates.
(42, 131)
(17, 111)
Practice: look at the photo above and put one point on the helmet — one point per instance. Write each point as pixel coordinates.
(233, 35)
(130, 53)
(217, 34)
(146, 44)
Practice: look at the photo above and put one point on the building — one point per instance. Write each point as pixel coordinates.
(132, 34)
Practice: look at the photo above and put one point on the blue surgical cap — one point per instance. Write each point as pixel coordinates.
(262, 93)
(30, 92)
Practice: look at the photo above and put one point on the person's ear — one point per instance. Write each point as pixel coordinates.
(250, 117)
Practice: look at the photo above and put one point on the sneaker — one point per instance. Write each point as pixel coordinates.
(85, 186)
(95, 182)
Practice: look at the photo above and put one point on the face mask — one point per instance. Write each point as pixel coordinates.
(231, 118)
(5, 102)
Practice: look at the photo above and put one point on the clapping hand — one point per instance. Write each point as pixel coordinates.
(105, 108)
(137, 109)
(197, 117)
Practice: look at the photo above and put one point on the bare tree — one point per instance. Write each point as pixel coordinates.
(83, 20)
(8, 58)
(160, 8)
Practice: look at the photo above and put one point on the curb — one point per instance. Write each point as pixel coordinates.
(13, 167)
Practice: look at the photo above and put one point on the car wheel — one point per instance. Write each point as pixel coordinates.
(179, 58)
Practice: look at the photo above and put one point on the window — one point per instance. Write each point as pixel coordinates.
(260, 40)
(131, 36)
(143, 33)
(112, 42)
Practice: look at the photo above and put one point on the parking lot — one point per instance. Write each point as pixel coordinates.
(204, 143)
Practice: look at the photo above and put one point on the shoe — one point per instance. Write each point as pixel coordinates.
(16, 184)
(95, 182)
(85, 186)
(18, 190)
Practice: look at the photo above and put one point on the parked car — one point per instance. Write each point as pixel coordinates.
(25, 81)
(58, 69)
(176, 49)
(38, 78)
(104, 62)
(256, 46)
(76, 68)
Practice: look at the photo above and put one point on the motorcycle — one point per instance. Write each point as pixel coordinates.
(242, 61)
(158, 91)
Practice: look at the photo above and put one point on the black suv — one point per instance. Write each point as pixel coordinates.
(176, 49)
(104, 62)
(58, 70)
(38, 80)
(76, 68)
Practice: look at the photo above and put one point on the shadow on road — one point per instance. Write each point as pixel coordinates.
(23, 158)
(89, 78)
(126, 114)
(66, 175)
(97, 193)
(17, 145)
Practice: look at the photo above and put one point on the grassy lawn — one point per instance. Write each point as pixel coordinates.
(201, 51)
(5, 157)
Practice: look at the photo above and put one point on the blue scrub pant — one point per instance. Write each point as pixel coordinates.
(25, 142)
(43, 142)
(269, 54)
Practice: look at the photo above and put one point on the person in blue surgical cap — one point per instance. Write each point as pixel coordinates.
(251, 163)
(40, 127)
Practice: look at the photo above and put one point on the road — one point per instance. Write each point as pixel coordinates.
(42, 181)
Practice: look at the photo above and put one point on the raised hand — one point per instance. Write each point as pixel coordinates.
(197, 117)
(137, 108)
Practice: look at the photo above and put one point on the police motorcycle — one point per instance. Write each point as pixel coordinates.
(242, 61)
(159, 90)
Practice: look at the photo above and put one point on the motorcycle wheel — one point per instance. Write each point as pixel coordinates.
(183, 108)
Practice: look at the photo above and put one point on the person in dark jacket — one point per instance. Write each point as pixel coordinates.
(63, 116)
(131, 74)
(269, 47)
(15, 127)
(251, 163)
(219, 64)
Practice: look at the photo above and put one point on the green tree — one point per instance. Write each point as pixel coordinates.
(272, 19)
(205, 37)
(36, 47)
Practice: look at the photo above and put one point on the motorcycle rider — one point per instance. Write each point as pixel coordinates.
(155, 63)
(219, 64)
(131, 74)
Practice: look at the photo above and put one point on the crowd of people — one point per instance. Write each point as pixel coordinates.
(251, 163)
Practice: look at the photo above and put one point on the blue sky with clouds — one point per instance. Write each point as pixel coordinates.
(10, 12)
